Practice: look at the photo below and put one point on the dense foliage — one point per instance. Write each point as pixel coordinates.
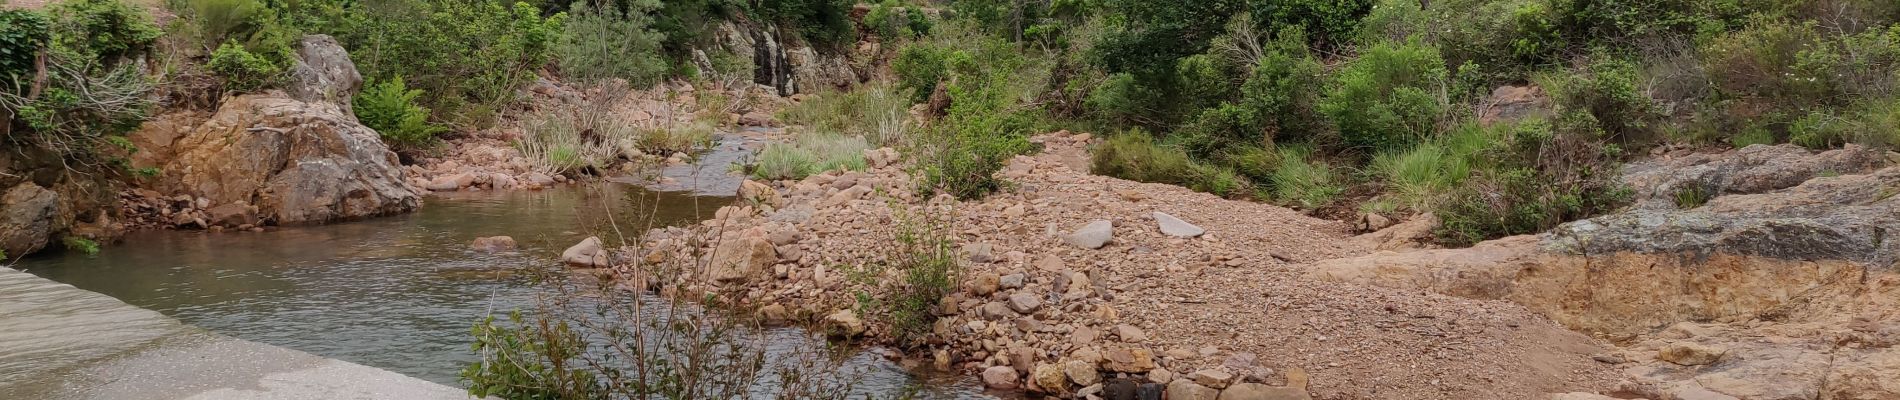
(74, 83)
(1304, 102)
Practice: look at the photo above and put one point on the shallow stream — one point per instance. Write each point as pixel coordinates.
(401, 293)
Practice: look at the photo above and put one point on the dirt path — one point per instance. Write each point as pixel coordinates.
(1240, 290)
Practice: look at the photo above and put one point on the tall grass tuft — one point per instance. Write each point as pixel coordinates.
(810, 154)
(1302, 181)
(878, 113)
(555, 142)
(1422, 177)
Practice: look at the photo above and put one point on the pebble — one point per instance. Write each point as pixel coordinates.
(1000, 377)
(1024, 303)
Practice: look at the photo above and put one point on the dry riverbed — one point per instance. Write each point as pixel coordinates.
(1136, 310)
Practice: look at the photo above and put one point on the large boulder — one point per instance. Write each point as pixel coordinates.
(296, 161)
(297, 157)
(27, 216)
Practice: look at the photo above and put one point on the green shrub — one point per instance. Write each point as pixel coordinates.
(1773, 61)
(877, 112)
(1220, 128)
(220, 21)
(603, 41)
(1535, 40)
(1134, 156)
(1497, 204)
(1330, 21)
(892, 21)
(251, 23)
(1220, 181)
(1624, 23)
(1254, 162)
(1300, 181)
(920, 68)
(783, 161)
(390, 107)
(810, 154)
(1775, 74)
(983, 130)
(1753, 135)
(1284, 90)
(104, 30)
(821, 22)
(1538, 175)
(81, 245)
(1149, 38)
(1874, 123)
(966, 163)
(1608, 92)
(927, 260)
(1203, 81)
(1122, 98)
(80, 108)
(1693, 196)
(241, 70)
(529, 360)
(470, 56)
(1389, 97)
(1419, 178)
(22, 34)
(920, 24)
(679, 138)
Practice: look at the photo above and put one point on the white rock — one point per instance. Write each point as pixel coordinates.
(1175, 227)
(587, 253)
(1092, 236)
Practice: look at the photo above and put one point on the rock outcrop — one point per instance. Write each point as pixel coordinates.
(43, 201)
(1743, 254)
(1781, 286)
(27, 218)
(298, 157)
(787, 64)
(1750, 170)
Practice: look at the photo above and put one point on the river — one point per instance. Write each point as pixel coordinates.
(400, 293)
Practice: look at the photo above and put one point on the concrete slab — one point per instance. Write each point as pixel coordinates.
(60, 342)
